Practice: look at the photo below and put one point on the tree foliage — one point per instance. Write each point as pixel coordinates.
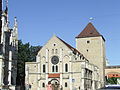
(112, 80)
(26, 53)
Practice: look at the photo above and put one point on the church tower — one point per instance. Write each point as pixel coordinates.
(8, 50)
(92, 45)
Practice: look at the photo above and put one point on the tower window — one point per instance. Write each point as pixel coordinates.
(44, 68)
(66, 67)
(43, 84)
(66, 84)
(87, 50)
(88, 41)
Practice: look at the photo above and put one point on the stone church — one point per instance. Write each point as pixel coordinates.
(8, 49)
(69, 68)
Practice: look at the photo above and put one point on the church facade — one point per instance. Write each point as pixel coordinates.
(68, 68)
(8, 50)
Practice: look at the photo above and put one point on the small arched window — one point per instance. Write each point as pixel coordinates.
(66, 67)
(66, 84)
(56, 68)
(44, 68)
(52, 51)
(56, 51)
(43, 85)
(53, 69)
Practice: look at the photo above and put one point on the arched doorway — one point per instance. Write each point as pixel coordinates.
(55, 84)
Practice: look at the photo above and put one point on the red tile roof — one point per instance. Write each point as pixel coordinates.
(113, 75)
(54, 75)
(89, 31)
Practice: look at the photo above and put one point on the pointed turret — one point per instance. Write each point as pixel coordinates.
(15, 22)
(15, 32)
(89, 31)
(6, 16)
(15, 28)
(6, 9)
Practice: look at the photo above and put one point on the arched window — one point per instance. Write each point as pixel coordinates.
(66, 84)
(53, 69)
(56, 51)
(52, 51)
(56, 68)
(66, 67)
(44, 68)
(43, 84)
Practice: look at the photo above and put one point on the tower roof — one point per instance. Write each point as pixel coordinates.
(89, 31)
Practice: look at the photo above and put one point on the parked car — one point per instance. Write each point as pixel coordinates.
(110, 87)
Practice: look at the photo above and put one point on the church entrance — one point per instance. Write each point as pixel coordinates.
(55, 84)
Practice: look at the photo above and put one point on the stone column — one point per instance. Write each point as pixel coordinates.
(1, 70)
(47, 67)
(93, 78)
(70, 70)
(61, 67)
(82, 75)
(38, 62)
(3, 25)
(26, 77)
(10, 65)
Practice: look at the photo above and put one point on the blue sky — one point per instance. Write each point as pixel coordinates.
(39, 19)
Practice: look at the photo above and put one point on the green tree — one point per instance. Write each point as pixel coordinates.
(26, 53)
(112, 80)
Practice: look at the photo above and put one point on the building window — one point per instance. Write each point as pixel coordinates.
(56, 68)
(53, 69)
(54, 44)
(66, 84)
(44, 68)
(52, 51)
(88, 41)
(87, 50)
(83, 58)
(66, 67)
(75, 58)
(56, 51)
(80, 56)
(43, 85)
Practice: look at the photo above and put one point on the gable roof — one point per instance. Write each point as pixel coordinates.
(70, 47)
(89, 31)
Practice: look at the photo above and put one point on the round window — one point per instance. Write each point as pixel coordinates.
(55, 60)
